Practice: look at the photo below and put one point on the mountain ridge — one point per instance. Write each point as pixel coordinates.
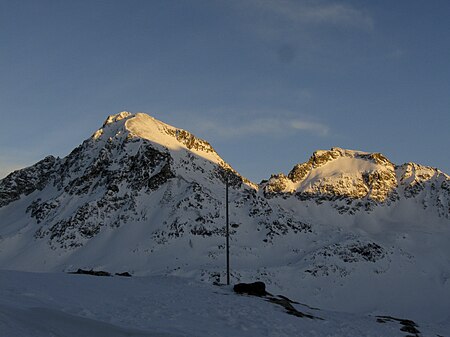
(372, 177)
(143, 196)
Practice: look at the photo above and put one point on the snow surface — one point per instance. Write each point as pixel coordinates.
(68, 305)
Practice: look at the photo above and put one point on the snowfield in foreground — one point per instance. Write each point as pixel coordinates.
(44, 304)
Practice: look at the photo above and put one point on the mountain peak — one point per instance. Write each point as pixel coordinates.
(117, 117)
(322, 157)
(147, 127)
(339, 172)
(135, 130)
(141, 125)
(351, 160)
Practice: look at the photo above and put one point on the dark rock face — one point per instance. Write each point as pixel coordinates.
(339, 257)
(91, 272)
(125, 274)
(190, 141)
(369, 252)
(406, 325)
(142, 170)
(26, 181)
(255, 288)
(98, 273)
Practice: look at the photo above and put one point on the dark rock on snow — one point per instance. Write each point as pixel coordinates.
(255, 288)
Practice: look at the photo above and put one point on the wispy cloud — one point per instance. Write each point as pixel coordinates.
(318, 128)
(263, 126)
(313, 12)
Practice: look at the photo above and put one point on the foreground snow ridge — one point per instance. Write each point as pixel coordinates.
(42, 305)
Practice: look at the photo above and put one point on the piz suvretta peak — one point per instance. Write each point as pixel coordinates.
(361, 177)
(146, 197)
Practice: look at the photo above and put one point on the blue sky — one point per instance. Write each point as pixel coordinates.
(265, 82)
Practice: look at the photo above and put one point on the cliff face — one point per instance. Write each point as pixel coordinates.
(147, 197)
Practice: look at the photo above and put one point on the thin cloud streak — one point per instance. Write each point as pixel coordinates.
(318, 128)
(266, 126)
(313, 12)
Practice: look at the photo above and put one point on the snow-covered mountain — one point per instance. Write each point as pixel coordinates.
(355, 181)
(347, 230)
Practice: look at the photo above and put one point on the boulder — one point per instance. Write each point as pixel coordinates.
(255, 288)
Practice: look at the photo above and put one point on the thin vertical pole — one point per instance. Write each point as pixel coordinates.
(228, 232)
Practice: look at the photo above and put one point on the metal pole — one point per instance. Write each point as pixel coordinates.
(228, 232)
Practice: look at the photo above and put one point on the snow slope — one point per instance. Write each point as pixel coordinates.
(42, 305)
(347, 231)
